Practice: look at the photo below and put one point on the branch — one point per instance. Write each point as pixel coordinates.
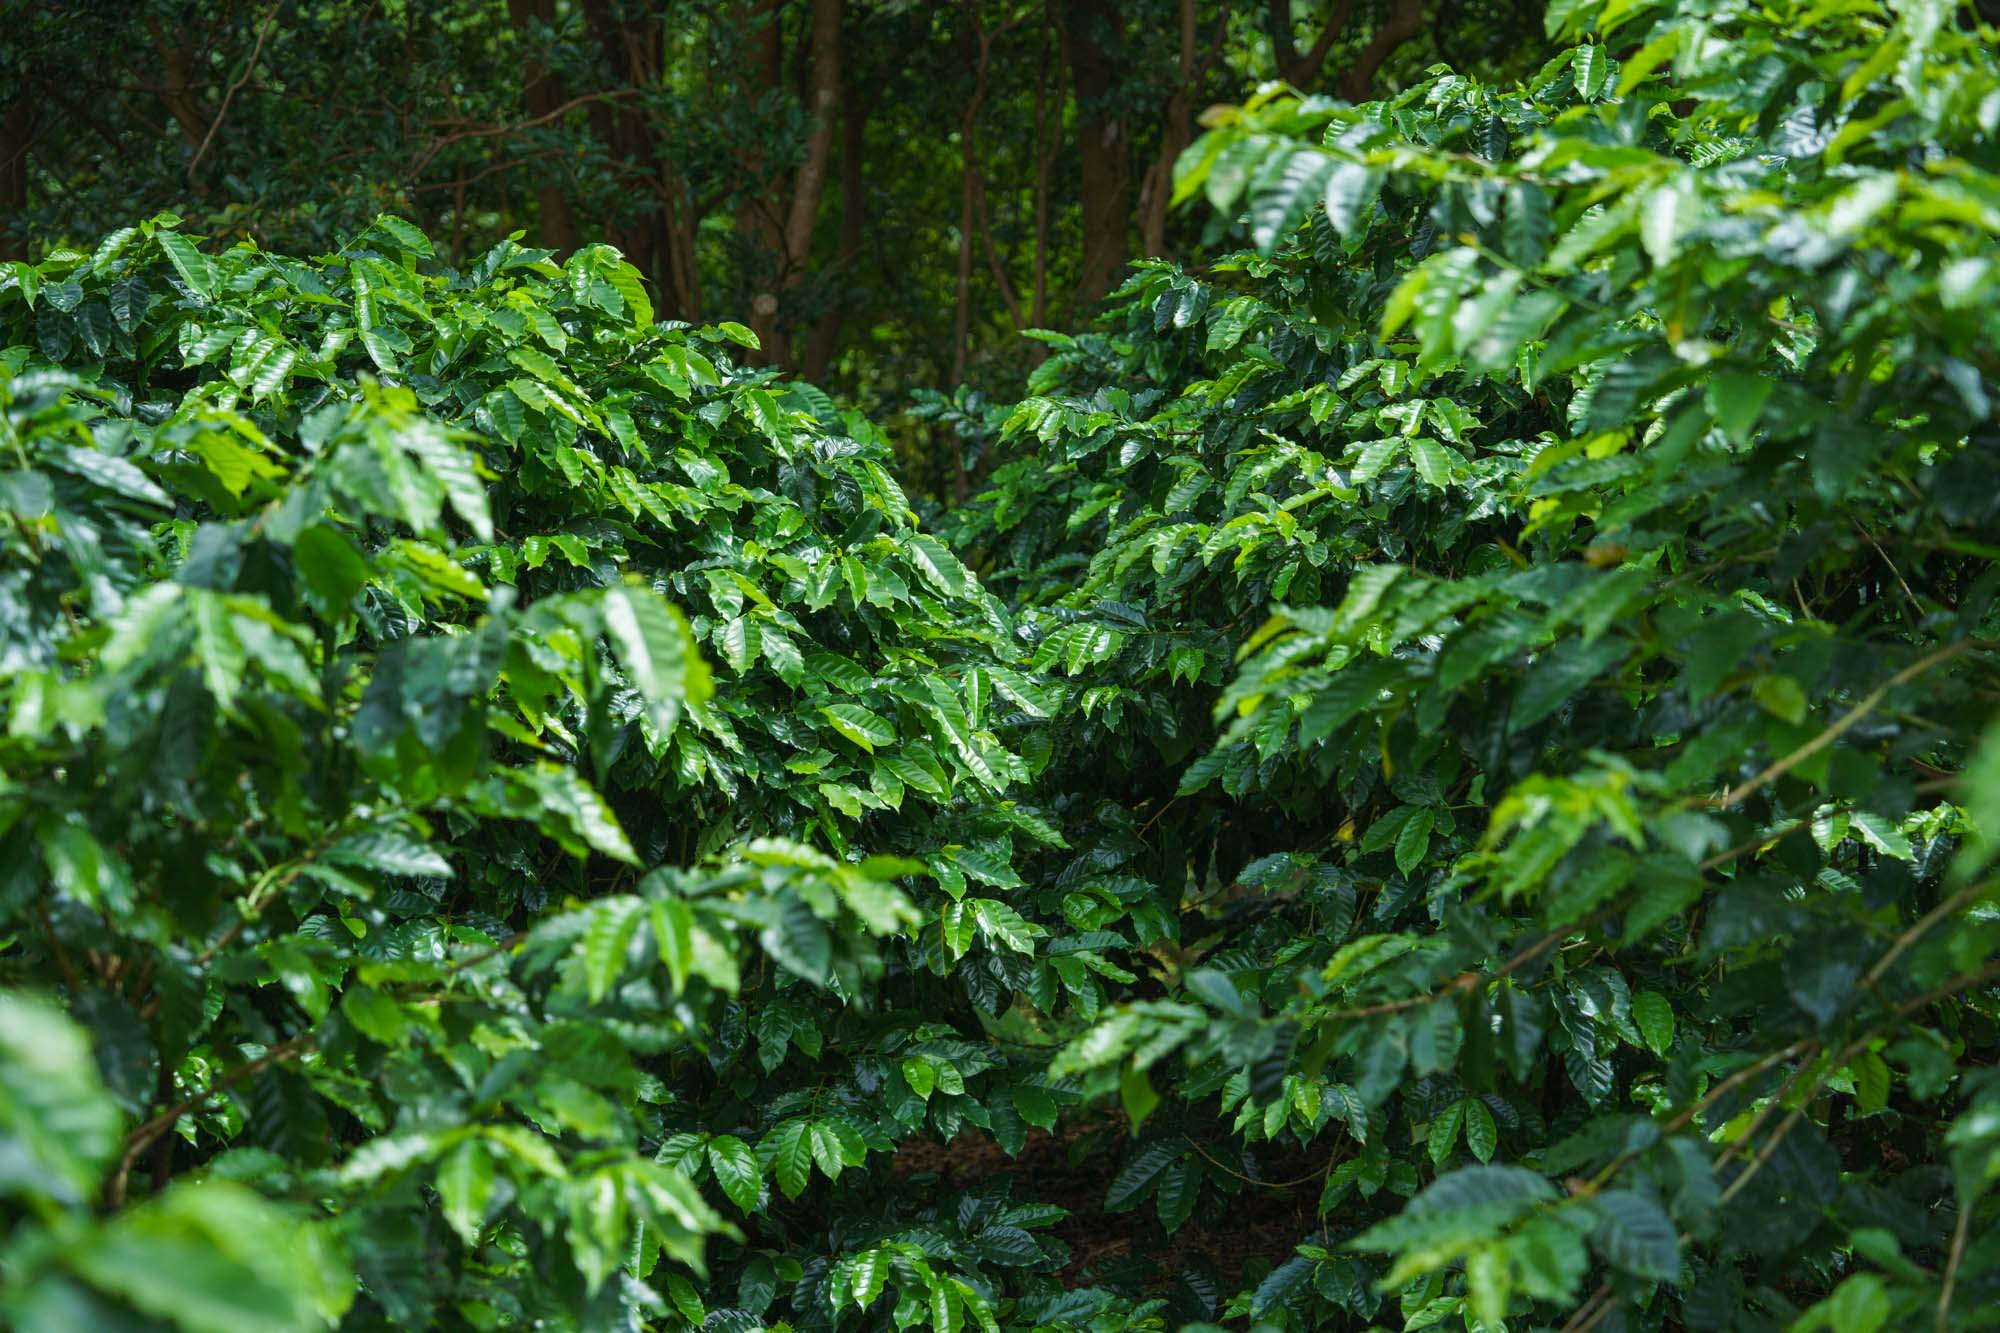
(437, 146)
(1846, 723)
(222, 111)
(1405, 21)
(141, 1138)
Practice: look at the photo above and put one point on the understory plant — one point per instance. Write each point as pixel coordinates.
(1444, 780)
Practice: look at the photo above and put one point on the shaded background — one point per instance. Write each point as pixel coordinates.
(886, 190)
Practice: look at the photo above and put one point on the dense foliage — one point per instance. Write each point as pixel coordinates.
(1445, 780)
(885, 190)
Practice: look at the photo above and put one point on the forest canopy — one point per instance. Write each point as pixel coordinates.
(1356, 690)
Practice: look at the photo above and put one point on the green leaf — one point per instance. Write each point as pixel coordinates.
(1482, 1135)
(939, 567)
(1135, 1091)
(465, 1187)
(857, 724)
(790, 1145)
(1433, 461)
(1881, 834)
(656, 650)
(1350, 192)
(1872, 1082)
(1002, 925)
(1413, 840)
(60, 1125)
(333, 570)
(1654, 1016)
(736, 1170)
(1141, 1174)
(674, 932)
(1560, 673)
(1737, 398)
(741, 638)
(1860, 1304)
(1444, 1131)
(454, 468)
(606, 938)
(1634, 1234)
(193, 266)
(211, 1258)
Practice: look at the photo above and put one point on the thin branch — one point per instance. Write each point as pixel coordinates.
(1963, 898)
(1846, 723)
(443, 142)
(222, 112)
(1307, 1178)
(1591, 1313)
(1959, 1235)
(141, 1138)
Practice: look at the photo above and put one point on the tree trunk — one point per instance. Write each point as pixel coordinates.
(1176, 132)
(543, 95)
(1404, 23)
(1301, 68)
(979, 47)
(855, 106)
(785, 225)
(1102, 148)
(1048, 139)
(16, 133)
(660, 241)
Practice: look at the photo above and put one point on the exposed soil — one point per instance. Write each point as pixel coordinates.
(1073, 1168)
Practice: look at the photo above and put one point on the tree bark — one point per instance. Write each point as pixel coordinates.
(1301, 68)
(1176, 132)
(979, 48)
(1103, 148)
(543, 94)
(660, 242)
(855, 106)
(1048, 140)
(1404, 24)
(784, 225)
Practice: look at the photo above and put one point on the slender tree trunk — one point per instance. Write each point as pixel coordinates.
(979, 47)
(1103, 148)
(785, 225)
(660, 240)
(543, 94)
(16, 132)
(855, 105)
(1176, 132)
(179, 94)
(1048, 139)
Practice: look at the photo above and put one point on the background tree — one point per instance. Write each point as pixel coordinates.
(884, 190)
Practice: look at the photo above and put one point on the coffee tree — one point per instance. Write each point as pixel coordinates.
(1444, 781)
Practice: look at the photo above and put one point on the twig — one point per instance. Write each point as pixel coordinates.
(1846, 723)
(1959, 1235)
(1735, 1080)
(1922, 927)
(1591, 1313)
(56, 950)
(1307, 1178)
(443, 142)
(141, 1138)
(1915, 605)
(1756, 1164)
(222, 111)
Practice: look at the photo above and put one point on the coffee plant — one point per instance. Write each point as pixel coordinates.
(1444, 780)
